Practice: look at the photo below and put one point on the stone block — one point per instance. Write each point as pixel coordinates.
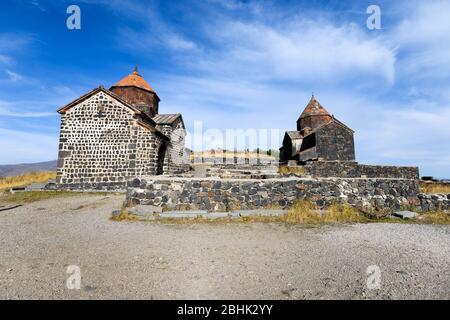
(405, 214)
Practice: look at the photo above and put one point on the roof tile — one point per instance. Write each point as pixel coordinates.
(134, 80)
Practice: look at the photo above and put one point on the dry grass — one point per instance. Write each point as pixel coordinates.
(33, 196)
(433, 218)
(342, 213)
(302, 212)
(26, 179)
(434, 187)
(124, 215)
(285, 170)
(305, 212)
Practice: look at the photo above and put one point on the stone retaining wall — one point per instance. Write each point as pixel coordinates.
(353, 169)
(434, 202)
(215, 194)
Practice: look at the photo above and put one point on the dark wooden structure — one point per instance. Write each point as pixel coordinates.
(137, 92)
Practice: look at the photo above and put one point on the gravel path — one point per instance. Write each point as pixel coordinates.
(212, 261)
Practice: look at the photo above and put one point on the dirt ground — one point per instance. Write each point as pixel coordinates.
(134, 260)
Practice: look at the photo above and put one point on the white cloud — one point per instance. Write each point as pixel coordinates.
(14, 42)
(21, 110)
(153, 32)
(427, 24)
(4, 59)
(14, 77)
(301, 50)
(424, 37)
(254, 7)
(178, 43)
(37, 5)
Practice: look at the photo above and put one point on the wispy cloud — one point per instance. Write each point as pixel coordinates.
(25, 146)
(13, 76)
(4, 59)
(424, 38)
(301, 50)
(23, 110)
(38, 4)
(254, 7)
(153, 32)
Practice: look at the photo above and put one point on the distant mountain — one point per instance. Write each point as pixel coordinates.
(21, 168)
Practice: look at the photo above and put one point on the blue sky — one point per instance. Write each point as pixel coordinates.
(236, 64)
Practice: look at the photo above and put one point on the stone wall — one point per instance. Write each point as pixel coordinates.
(227, 194)
(102, 145)
(335, 142)
(350, 169)
(330, 142)
(434, 202)
(176, 158)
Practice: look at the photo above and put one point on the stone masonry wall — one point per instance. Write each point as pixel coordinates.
(352, 169)
(334, 142)
(228, 194)
(434, 202)
(176, 158)
(102, 145)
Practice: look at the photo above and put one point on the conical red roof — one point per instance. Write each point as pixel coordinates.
(313, 116)
(314, 108)
(134, 80)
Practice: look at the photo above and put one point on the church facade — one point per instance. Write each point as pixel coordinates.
(110, 136)
(319, 136)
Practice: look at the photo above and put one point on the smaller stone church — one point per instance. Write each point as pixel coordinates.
(319, 136)
(110, 136)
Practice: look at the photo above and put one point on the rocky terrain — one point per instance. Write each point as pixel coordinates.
(38, 241)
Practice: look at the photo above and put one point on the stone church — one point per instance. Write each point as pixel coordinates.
(110, 136)
(319, 136)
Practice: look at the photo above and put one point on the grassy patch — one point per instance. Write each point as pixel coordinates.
(342, 213)
(433, 218)
(33, 196)
(26, 179)
(434, 187)
(305, 212)
(285, 170)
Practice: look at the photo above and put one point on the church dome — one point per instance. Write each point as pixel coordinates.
(135, 90)
(313, 116)
(134, 80)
